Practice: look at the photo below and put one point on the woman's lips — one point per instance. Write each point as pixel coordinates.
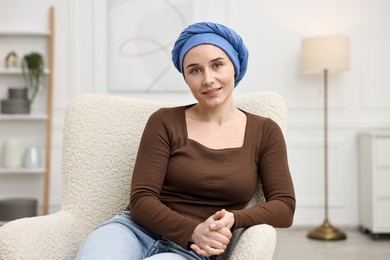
(212, 91)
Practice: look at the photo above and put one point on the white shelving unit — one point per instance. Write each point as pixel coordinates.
(25, 33)
(374, 180)
(37, 125)
(21, 117)
(18, 71)
(22, 171)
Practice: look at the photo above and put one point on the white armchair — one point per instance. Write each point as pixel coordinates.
(101, 138)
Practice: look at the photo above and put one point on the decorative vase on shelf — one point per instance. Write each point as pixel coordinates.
(17, 102)
(11, 154)
(31, 157)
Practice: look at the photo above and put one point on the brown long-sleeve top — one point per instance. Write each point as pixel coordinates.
(178, 183)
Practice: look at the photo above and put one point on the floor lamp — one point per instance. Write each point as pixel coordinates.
(325, 55)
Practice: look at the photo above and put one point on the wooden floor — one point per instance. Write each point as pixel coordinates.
(293, 244)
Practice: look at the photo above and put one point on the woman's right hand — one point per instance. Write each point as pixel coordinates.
(213, 235)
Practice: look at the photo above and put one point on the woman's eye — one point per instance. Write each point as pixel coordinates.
(217, 65)
(195, 71)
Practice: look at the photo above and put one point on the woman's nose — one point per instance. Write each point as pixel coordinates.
(208, 77)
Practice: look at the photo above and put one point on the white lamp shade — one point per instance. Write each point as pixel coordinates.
(325, 53)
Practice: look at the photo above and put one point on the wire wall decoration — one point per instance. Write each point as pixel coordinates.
(140, 37)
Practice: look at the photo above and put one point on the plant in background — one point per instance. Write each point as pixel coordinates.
(32, 67)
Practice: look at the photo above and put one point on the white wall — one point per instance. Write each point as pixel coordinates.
(272, 31)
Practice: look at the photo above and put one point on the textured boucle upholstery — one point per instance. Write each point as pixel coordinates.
(101, 138)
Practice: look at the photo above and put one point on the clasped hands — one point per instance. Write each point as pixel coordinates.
(212, 236)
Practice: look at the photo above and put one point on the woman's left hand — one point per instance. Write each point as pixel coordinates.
(204, 242)
(227, 220)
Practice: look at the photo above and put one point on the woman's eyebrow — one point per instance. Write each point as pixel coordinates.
(196, 64)
(192, 65)
(216, 59)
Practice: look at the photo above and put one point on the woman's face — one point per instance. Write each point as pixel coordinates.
(209, 73)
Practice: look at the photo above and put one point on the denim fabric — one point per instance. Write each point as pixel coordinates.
(121, 238)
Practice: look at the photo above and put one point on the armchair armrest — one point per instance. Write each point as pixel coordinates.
(255, 243)
(56, 236)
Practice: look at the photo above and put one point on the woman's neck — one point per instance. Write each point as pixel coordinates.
(220, 115)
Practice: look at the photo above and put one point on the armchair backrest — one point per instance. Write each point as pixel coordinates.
(101, 138)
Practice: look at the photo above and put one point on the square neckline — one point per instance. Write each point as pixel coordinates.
(189, 140)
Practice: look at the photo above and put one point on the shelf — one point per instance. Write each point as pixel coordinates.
(4, 71)
(21, 33)
(18, 171)
(24, 39)
(23, 117)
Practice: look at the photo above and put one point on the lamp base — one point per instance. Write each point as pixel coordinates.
(326, 232)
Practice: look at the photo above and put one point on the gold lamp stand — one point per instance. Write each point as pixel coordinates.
(323, 55)
(326, 231)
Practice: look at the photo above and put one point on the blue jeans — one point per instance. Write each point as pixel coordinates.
(121, 238)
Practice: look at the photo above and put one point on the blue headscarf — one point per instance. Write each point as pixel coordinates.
(216, 34)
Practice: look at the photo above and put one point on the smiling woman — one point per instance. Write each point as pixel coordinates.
(199, 165)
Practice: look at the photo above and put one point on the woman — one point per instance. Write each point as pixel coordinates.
(198, 165)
